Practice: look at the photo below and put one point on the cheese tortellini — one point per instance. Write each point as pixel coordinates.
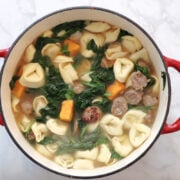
(40, 131)
(83, 164)
(104, 155)
(51, 50)
(112, 125)
(65, 160)
(29, 53)
(97, 27)
(133, 116)
(138, 134)
(39, 102)
(25, 123)
(141, 54)
(43, 150)
(57, 126)
(131, 43)
(112, 35)
(87, 154)
(15, 103)
(115, 51)
(86, 37)
(66, 69)
(122, 145)
(122, 68)
(33, 76)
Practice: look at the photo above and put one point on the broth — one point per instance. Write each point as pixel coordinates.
(85, 94)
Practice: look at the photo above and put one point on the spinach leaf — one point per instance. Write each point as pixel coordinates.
(47, 140)
(115, 155)
(92, 46)
(77, 60)
(163, 76)
(145, 71)
(64, 50)
(103, 74)
(141, 107)
(123, 33)
(104, 104)
(87, 142)
(151, 82)
(83, 100)
(69, 28)
(69, 94)
(42, 41)
(13, 81)
(142, 69)
(99, 53)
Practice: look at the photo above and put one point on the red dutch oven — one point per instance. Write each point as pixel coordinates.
(160, 62)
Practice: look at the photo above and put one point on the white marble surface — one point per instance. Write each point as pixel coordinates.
(161, 19)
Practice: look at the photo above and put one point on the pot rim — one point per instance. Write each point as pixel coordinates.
(151, 40)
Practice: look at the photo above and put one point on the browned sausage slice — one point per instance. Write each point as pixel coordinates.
(132, 96)
(149, 100)
(92, 114)
(119, 106)
(139, 80)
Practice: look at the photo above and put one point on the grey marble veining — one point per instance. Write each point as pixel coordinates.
(161, 19)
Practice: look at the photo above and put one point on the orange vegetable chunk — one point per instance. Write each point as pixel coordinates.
(67, 110)
(115, 89)
(73, 48)
(18, 89)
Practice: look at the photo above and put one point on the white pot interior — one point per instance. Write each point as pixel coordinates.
(47, 23)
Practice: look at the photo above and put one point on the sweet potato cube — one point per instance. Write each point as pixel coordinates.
(18, 89)
(67, 110)
(115, 89)
(73, 48)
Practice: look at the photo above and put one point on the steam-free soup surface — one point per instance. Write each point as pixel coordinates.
(85, 94)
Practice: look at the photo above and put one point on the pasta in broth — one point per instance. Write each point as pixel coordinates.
(85, 94)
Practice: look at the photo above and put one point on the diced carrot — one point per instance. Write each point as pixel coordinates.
(73, 48)
(67, 110)
(18, 89)
(115, 89)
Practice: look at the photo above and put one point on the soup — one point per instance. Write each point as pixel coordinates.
(85, 94)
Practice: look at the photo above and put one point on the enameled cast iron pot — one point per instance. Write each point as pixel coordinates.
(13, 55)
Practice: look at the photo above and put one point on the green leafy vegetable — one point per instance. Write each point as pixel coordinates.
(47, 140)
(142, 69)
(69, 94)
(163, 76)
(77, 60)
(145, 71)
(69, 28)
(123, 33)
(64, 50)
(103, 74)
(99, 53)
(13, 81)
(42, 41)
(92, 46)
(104, 104)
(87, 142)
(115, 155)
(141, 107)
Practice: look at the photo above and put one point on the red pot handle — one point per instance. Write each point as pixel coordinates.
(3, 53)
(169, 128)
